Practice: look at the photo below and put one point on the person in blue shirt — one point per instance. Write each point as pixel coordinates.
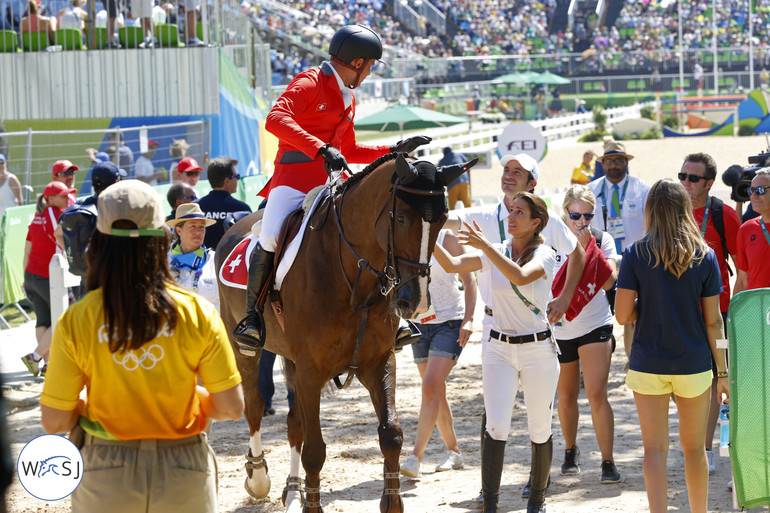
(223, 178)
(669, 283)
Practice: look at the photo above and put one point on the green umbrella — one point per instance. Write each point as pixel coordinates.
(523, 77)
(400, 117)
(550, 79)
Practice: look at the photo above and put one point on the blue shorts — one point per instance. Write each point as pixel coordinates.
(438, 340)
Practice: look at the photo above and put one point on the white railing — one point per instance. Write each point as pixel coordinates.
(482, 138)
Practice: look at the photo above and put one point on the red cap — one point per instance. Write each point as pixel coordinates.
(188, 164)
(63, 165)
(57, 189)
(152, 144)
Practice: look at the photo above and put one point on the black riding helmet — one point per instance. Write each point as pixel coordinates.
(353, 42)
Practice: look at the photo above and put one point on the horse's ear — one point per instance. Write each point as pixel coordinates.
(449, 174)
(406, 173)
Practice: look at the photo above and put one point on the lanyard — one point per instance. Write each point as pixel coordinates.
(500, 224)
(524, 300)
(706, 218)
(620, 200)
(764, 229)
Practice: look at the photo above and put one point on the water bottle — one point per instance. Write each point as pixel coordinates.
(724, 431)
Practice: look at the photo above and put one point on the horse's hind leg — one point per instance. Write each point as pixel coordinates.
(292, 494)
(257, 481)
(380, 380)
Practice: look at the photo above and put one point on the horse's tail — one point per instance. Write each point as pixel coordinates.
(290, 370)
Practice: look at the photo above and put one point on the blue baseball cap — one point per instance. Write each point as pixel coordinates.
(107, 172)
(102, 157)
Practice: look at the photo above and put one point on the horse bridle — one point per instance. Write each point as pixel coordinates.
(388, 280)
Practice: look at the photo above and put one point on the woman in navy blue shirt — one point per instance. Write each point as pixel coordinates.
(669, 283)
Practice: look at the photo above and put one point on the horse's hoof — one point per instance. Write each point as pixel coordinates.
(262, 490)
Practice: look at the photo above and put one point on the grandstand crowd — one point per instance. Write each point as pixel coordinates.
(526, 27)
(646, 28)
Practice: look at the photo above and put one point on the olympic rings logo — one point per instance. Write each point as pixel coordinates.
(146, 359)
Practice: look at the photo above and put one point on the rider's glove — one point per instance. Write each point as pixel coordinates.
(334, 159)
(409, 145)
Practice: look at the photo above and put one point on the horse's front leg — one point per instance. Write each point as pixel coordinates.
(257, 481)
(380, 380)
(308, 397)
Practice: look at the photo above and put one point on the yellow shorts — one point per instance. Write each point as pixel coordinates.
(682, 385)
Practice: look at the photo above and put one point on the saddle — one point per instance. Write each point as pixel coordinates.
(291, 227)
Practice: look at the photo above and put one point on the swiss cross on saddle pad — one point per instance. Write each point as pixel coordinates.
(235, 271)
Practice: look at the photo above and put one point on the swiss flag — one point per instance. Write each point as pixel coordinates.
(235, 270)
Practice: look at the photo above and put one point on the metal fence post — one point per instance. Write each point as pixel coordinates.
(28, 167)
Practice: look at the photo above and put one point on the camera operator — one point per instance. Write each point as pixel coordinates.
(739, 178)
(754, 239)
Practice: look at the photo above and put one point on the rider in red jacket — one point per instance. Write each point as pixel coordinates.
(313, 120)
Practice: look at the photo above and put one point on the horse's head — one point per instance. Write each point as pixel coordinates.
(418, 211)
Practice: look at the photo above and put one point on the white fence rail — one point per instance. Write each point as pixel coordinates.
(482, 138)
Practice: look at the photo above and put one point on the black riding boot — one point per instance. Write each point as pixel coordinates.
(492, 455)
(478, 502)
(250, 332)
(542, 454)
(406, 335)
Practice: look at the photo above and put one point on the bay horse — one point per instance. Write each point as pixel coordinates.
(363, 262)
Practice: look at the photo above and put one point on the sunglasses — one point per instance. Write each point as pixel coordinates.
(236, 176)
(191, 173)
(683, 177)
(576, 216)
(758, 190)
(191, 197)
(67, 173)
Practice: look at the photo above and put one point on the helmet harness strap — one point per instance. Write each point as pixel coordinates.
(359, 71)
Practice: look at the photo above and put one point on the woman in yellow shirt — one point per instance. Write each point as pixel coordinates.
(138, 344)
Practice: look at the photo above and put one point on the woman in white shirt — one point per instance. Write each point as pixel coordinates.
(521, 348)
(586, 341)
(192, 264)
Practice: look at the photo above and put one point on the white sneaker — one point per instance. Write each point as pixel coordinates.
(710, 458)
(453, 461)
(730, 485)
(411, 467)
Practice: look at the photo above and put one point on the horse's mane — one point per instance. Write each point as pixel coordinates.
(357, 177)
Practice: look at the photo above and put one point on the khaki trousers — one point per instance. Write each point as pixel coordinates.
(153, 476)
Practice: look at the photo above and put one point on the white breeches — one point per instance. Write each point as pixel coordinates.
(536, 367)
(283, 201)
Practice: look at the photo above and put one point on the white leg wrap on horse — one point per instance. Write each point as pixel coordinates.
(424, 259)
(294, 498)
(258, 485)
(294, 462)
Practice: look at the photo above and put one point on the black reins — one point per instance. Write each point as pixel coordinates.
(388, 280)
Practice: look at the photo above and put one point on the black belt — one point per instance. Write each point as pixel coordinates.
(487, 311)
(522, 339)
